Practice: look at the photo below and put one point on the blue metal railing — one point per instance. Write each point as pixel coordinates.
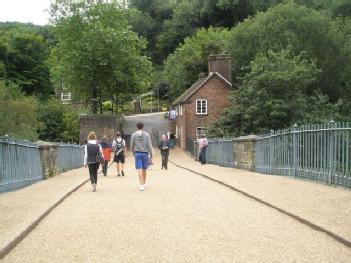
(319, 153)
(221, 152)
(312, 152)
(69, 156)
(190, 146)
(19, 164)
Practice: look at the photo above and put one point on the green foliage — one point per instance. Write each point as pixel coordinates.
(272, 95)
(173, 21)
(305, 30)
(183, 24)
(70, 123)
(183, 67)
(97, 53)
(60, 123)
(23, 52)
(17, 113)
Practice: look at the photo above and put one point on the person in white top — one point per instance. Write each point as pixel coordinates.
(91, 152)
(203, 143)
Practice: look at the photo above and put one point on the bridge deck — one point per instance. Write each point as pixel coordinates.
(181, 217)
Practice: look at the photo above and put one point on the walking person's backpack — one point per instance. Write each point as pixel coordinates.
(119, 146)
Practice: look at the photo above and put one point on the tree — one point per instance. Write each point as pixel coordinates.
(23, 55)
(147, 27)
(182, 68)
(97, 55)
(59, 122)
(18, 117)
(305, 30)
(183, 24)
(272, 96)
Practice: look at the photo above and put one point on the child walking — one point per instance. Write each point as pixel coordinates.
(119, 147)
(106, 151)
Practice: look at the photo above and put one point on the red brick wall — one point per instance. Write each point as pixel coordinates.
(221, 64)
(180, 123)
(216, 92)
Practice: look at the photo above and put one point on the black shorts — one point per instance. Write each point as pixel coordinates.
(119, 158)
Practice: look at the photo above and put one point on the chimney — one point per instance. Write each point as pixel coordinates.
(221, 64)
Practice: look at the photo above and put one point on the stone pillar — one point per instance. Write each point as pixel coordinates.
(48, 158)
(244, 152)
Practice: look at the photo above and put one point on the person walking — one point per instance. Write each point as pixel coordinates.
(119, 147)
(92, 158)
(164, 146)
(203, 143)
(172, 139)
(141, 147)
(106, 151)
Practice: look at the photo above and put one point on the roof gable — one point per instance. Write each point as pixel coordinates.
(198, 85)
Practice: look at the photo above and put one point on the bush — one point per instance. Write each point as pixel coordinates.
(18, 116)
(60, 122)
(272, 96)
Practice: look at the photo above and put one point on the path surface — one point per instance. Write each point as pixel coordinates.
(183, 217)
(152, 121)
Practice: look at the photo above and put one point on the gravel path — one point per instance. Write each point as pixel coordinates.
(182, 217)
(326, 206)
(22, 207)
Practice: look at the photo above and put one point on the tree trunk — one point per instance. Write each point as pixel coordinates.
(94, 99)
(101, 110)
(112, 111)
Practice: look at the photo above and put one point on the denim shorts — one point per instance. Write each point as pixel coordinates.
(141, 160)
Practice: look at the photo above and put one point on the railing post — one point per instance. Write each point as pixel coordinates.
(331, 151)
(271, 152)
(8, 175)
(27, 149)
(295, 149)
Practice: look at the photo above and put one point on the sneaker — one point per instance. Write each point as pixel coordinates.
(94, 187)
(142, 188)
(118, 175)
(122, 173)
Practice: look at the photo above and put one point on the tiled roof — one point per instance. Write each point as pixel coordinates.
(197, 85)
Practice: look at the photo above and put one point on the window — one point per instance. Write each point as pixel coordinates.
(200, 131)
(66, 96)
(201, 107)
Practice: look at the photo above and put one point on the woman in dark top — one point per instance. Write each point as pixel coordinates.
(164, 148)
(92, 148)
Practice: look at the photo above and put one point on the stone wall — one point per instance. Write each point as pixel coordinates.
(102, 125)
(48, 158)
(244, 152)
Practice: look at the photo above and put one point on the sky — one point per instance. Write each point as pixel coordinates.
(26, 11)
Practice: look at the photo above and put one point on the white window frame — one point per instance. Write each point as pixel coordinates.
(200, 131)
(66, 96)
(196, 108)
(181, 110)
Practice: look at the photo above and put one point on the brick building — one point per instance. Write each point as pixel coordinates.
(204, 101)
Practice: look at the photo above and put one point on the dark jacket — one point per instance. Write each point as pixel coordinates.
(163, 144)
